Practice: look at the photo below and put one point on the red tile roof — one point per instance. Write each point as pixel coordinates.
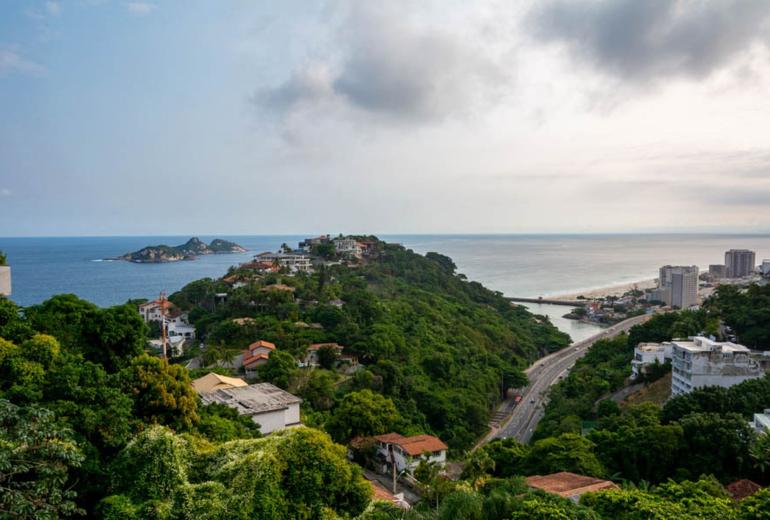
(247, 361)
(414, 445)
(261, 343)
(743, 488)
(567, 484)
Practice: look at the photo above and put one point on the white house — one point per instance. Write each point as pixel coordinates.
(347, 246)
(647, 354)
(267, 405)
(5, 280)
(761, 422)
(407, 452)
(311, 354)
(155, 310)
(703, 362)
(294, 262)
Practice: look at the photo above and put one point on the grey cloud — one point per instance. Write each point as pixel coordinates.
(645, 40)
(385, 65)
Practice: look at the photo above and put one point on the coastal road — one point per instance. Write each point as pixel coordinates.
(544, 373)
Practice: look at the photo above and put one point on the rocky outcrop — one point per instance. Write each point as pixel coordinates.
(187, 251)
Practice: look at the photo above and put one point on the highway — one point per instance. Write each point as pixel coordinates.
(544, 373)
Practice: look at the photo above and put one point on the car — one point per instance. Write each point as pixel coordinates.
(531, 401)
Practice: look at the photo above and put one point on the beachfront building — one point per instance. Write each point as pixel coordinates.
(765, 268)
(739, 262)
(659, 294)
(406, 453)
(717, 272)
(703, 362)
(267, 405)
(761, 422)
(648, 354)
(5, 280)
(682, 281)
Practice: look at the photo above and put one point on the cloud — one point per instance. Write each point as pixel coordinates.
(11, 61)
(386, 62)
(140, 8)
(641, 41)
(53, 8)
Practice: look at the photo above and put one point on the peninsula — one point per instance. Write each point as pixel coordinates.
(190, 250)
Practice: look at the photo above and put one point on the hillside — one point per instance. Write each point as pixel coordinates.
(187, 251)
(440, 347)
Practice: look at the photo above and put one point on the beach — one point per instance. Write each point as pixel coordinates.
(612, 290)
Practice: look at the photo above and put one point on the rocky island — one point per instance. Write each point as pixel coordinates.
(187, 251)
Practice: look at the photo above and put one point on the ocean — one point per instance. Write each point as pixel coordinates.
(516, 265)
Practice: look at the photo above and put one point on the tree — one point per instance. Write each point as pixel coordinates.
(568, 452)
(3, 258)
(222, 423)
(279, 368)
(363, 413)
(36, 456)
(162, 393)
(319, 390)
(327, 357)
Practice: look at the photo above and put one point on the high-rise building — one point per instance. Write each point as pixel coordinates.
(739, 262)
(682, 282)
(717, 271)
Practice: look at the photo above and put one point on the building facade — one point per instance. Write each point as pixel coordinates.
(703, 362)
(267, 405)
(740, 262)
(406, 453)
(682, 281)
(717, 271)
(765, 268)
(647, 354)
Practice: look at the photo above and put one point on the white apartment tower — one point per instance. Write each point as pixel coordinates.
(682, 282)
(703, 362)
(739, 262)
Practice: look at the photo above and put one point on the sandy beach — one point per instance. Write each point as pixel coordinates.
(613, 290)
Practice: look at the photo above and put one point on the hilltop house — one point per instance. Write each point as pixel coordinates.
(647, 354)
(155, 310)
(347, 246)
(311, 356)
(293, 261)
(212, 382)
(177, 322)
(267, 405)
(406, 453)
(256, 355)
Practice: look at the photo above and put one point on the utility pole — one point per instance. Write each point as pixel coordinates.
(163, 340)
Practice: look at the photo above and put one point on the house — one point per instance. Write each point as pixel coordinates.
(311, 356)
(178, 324)
(293, 261)
(347, 246)
(381, 494)
(761, 422)
(267, 405)
(307, 244)
(569, 485)
(174, 345)
(703, 362)
(5, 280)
(407, 452)
(647, 354)
(257, 354)
(155, 310)
(212, 382)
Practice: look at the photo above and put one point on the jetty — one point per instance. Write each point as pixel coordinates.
(540, 299)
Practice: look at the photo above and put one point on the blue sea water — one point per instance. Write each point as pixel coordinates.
(517, 265)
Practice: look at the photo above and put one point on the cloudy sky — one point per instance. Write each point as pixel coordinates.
(228, 117)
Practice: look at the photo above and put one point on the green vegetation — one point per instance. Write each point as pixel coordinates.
(3, 258)
(438, 347)
(745, 311)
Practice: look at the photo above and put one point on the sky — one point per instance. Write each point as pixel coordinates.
(439, 116)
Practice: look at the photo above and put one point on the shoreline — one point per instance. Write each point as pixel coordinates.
(611, 290)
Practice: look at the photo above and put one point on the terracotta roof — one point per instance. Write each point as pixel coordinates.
(567, 484)
(414, 445)
(156, 303)
(381, 493)
(261, 343)
(211, 382)
(253, 359)
(319, 346)
(743, 488)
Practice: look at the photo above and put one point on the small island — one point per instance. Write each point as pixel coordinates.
(190, 250)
